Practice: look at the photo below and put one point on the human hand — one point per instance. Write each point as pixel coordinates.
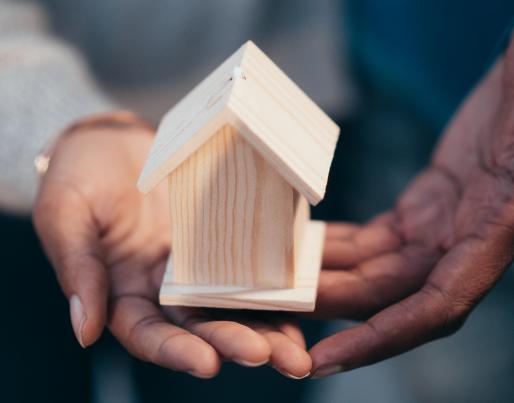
(108, 244)
(415, 273)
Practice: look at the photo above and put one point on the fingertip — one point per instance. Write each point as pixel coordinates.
(293, 331)
(209, 367)
(88, 324)
(78, 318)
(204, 375)
(209, 364)
(324, 360)
(292, 376)
(93, 304)
(325, 371)
(203, 361)
(320, 355)
(298, 371)
(336, 353)
(93, 329)
(239, 343)
(291, 360)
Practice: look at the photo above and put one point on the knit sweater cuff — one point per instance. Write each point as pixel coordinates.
(44, 86)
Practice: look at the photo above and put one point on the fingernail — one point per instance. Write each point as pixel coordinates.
(250, 364)
(327, 371)
(201, 376)
(291, 376)
(78, 318)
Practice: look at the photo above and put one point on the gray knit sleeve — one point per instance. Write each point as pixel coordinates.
(44, 86)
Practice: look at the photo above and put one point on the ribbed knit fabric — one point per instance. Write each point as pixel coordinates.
(44, 86)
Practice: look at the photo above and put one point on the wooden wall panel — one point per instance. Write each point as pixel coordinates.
(232, 217)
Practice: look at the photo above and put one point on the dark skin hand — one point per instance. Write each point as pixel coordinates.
(414, 274)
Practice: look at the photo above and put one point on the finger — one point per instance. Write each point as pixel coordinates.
(291, 329)
(363, 290)
(233, 341)
(341, 230)
(345, 230)
(359, 244)
(287, 356)
(438, 309)
(69, 235)
(392, 331)
(144, 331)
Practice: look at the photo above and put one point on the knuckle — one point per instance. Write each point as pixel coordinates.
(75, 260)
(170, 348)
(503, 161)
(450, 314)
(498, 159)
(456, 316)
(47, 209)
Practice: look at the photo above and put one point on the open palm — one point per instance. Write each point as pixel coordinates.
(415, 273)
(109, 244)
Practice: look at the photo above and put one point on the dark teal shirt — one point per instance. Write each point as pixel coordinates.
(428, 53)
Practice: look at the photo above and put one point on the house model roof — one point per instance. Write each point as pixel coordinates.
(249, 92)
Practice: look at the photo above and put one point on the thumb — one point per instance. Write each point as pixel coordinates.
(70, 237)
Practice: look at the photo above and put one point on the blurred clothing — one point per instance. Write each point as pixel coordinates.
(425, 53)
(412, 64)
(146, 55)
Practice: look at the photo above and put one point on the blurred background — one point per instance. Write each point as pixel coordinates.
(391, 73)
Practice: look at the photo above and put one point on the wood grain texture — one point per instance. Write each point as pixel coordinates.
(232, 217)
(190, 123)
(301, 297)
(271, 112)
(301, 220)
(283, 124)
(244, 154)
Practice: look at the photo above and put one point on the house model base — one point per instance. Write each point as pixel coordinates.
(300, 298)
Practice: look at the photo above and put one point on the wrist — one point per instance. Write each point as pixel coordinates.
(119, 120)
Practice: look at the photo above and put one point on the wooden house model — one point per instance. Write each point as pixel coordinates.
(245, 152)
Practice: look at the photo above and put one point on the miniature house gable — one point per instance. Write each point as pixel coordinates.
(249, 92)
(245, 153)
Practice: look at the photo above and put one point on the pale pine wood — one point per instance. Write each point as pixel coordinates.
(190, 123)
(301, 297)
(266, 107)
(301, 220)
(232, 217)
(245, 152)
(288, 129)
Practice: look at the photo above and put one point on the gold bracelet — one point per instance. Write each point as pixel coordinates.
(118, 119)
